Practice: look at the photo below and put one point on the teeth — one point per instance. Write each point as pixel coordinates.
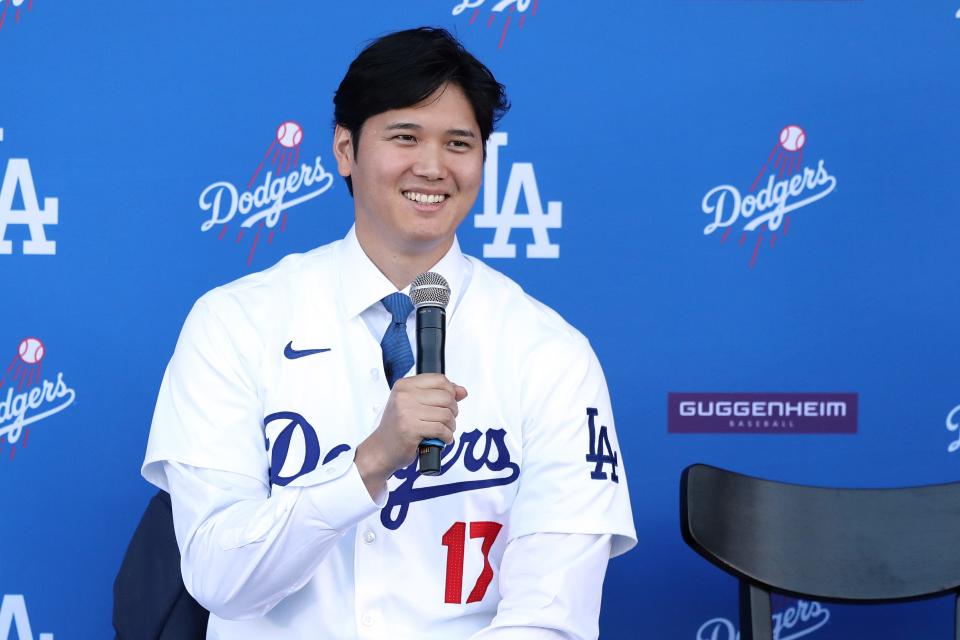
(424, 198)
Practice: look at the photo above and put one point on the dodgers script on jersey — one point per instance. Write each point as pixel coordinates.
(275, 381)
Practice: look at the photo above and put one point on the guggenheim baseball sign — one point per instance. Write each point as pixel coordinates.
(762, 412)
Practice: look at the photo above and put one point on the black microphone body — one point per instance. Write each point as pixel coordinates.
(430, 294)
(431, 341)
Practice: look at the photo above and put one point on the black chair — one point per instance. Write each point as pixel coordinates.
(835, 545)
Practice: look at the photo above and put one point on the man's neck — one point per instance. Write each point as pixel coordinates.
(401, 265)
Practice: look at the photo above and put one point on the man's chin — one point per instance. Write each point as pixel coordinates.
(429, 238)
(427, 242)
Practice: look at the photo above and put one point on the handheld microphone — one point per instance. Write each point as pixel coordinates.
(430, 294)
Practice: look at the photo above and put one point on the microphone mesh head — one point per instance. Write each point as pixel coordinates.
(430, 289)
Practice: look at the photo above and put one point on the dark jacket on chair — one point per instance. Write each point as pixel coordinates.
(149, 599)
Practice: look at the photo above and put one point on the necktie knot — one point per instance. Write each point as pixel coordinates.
(397, 354)
(399, 306)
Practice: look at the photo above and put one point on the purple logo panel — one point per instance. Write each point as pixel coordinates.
(762, 412)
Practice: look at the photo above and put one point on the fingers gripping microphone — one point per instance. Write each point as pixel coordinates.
(430, 294)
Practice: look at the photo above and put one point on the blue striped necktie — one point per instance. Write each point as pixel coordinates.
(397, 354)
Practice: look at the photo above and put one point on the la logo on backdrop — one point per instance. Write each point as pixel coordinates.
(282, 182)
(17, 6)
(13, 615)
(19, 177)
(27, 396)
(505, 9)
(785, 186)
(505, 218)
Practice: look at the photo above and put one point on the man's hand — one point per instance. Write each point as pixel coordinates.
(421, 407)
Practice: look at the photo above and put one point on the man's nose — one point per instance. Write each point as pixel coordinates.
(430, 164)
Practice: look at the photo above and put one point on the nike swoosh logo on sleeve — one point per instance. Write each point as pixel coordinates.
(293, 354)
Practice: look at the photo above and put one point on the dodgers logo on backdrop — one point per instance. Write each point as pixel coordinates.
(17, 7)
(13, 615)
(19, 177)
(505, 218)
(793, 622)
(259, 210)
(953, 425)
(28, 396)
(508, 10)
(789, 187)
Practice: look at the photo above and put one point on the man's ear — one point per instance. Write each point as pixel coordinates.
(343, 149)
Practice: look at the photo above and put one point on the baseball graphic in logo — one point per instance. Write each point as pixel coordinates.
(26, 397)
(263, 208)
(512, 12)
(17, 6)
(31, 351)
(25, 366)
(787, 154)
(289, 135)
(765, 211)
(792, 138)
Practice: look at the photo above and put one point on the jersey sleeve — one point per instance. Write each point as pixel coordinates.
(245, 545)
(572, 477)
(208, 412)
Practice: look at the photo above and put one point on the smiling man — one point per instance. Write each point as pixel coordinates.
(420, 174)
(289, 418)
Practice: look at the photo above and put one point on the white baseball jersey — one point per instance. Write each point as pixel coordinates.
(277, 378)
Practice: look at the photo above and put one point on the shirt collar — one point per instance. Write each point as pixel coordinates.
(362, 283)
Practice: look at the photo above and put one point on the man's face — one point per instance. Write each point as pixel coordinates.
(415, 175)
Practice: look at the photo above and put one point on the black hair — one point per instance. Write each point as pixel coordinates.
(404, 68)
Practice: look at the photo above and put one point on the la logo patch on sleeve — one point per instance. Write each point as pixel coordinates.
(601, 452)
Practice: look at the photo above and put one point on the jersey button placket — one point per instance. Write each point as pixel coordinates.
(379, 393)
(368, 383)
(368, 619)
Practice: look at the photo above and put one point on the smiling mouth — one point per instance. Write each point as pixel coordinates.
(424, 198)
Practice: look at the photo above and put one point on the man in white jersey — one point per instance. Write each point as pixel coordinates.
(287, 435)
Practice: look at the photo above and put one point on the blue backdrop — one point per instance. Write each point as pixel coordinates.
(631, 118)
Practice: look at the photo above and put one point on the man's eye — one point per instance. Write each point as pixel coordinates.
(404, 137)
(460, 144)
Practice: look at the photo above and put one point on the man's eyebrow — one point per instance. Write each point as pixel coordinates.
(461, 133)
(404, 125)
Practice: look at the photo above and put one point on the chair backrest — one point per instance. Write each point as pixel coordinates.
(842, 545)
